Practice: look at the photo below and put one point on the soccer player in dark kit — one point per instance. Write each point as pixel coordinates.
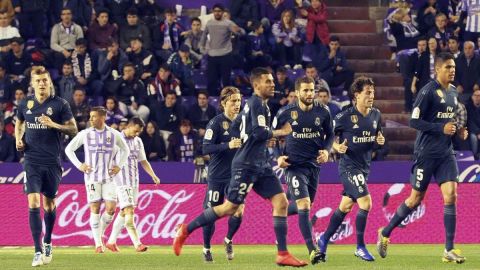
(221, 143)
(306, 147)
(359, 129)
(42, 118)
(251, 168)
(433, 117)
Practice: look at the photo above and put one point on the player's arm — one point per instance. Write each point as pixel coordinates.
(420, 107)
(338, 128)
(260, 129)
(380, 140)
(74, 144)
(281, 126)
(146, 165)
(69, 126)
(210, 143)
(19, 132)
(329, 134)
(124, 151)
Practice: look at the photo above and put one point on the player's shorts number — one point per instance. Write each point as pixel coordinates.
(295, 182)
(419, 174)
(359, 180)
(213, 196)
(244, 188)
(92, 187)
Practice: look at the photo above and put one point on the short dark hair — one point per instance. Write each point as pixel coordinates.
(303, 79)
(81, 41)
(99, 110)
(102, 10)
(132, 11)
(420, 38)
(358, 85)
(281, 69)
(128, 64)
(255, 25)
(334, 38)
(171, 92)
(219, 6)
(323, 90)
(18, 40)
(257, 73)
(136, 121)
(170, 11)
(136, 38)
(196, 19)
(185, 122)
(67, 62)
(63, 9)
(453, 38)
(440, 14)
(165, 67)
(310, 65)
(202, 92)
(442, 57)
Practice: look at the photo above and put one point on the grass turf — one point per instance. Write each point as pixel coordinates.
(401, 257)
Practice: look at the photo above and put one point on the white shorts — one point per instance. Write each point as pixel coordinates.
(127, 196)
(97, 192)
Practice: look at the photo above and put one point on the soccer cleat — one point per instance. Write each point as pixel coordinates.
(316, 256)
(112, 247)
(287, 259)
(100, 249)
(37, 259)
(48, 254)
(228, 249)
(141, 248)
(382, 243)
(454, 255)
(363, 254)
(207, 256)
(322, 246)
(180, 238)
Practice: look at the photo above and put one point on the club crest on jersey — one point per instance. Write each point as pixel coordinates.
(30, 104)
(354, 119)
(109, 139)
(49, 111)
(225, 125)
(440, 94)
(317, 121)
(294, 116)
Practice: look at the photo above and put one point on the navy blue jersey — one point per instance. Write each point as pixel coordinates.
(215, 143)
(42, 144)
(361, 134)
(433, 108)
(311, 131)
(253, 122)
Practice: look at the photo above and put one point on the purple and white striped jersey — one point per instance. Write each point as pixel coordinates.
(472, 7)
(128, 175)
(100, 147)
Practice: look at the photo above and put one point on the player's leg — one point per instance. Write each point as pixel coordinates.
(50, 188)
(234, 223)
(364, 205)
(132, 230)
(109, 195)
(214, 196)
(95, 225)
(118, 225)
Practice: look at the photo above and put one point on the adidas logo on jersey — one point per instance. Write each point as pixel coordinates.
(294, 123)
(29, 112)
(225, 133)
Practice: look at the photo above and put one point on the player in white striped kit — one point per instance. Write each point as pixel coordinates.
(127, 182)
(100, 144)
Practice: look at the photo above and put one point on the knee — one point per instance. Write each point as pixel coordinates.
(94, 208)
(413, 201)
(48, 205)
(239, 212)
(303, 203)
(232, 209)
(450, 197)
(33, 200)
(345, 208)
(281, 204)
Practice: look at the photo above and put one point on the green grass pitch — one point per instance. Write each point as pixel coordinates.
(401, 257)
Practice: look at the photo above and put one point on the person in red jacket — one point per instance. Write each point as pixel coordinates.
(317, 27)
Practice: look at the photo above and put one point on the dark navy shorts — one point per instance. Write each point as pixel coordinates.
(216, 192)
(265, 184)
(302, 182)
(354, 183)
(43, 179)
(443, 169)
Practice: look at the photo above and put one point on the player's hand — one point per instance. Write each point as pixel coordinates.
(285, 130)
(235, 143)
(463, 133)
(85, 168)
(20, 145)
(114, 170)
(156, 180)
(341, 148)
(282, 162)
(380, 138)
(322, 156)
(45, 120)
(450, 128)
(413, 88)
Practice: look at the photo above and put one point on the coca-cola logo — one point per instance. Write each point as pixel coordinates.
(395, 195)
(470, 174)
(158, 222)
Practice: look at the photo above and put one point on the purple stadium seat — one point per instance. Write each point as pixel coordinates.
(293, 74)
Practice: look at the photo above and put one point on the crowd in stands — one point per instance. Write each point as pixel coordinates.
(417, 31)
(138, 58)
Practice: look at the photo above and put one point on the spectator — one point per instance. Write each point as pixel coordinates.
(76, 7)
(131, 94)
(89, 13)
(403, 29)
(472, 16)
(80, 108)
(18, 61)
(110, 63)
(460, 122)
(201, 113)
(114, 115)
(292, 97)
(8, 7)
(467, 72)
(426, 16)
(453, 46)
(181, 66)
(134, 29)
(144, 61)
(6, 88)
(258, 51)
(10, 114)
(7, 32)
(118, 9)
(311, 71)
(163, 83)
(337, 71)
(192, 39)
(271, 10)
(440, 31)
(168, 113)
(288, 41)
(32, 17)
(153, 143)
(148, 11)
(324, 96)
(283, 85)
(85, 72)
(425, 68)
(101, 32)
(220, 62)
(63, 37)
(66, 83)
(7, 145)
(407, 68)
(244, 12)
(167, 37)
(317, 28)
(183, 146)
(473, 122)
